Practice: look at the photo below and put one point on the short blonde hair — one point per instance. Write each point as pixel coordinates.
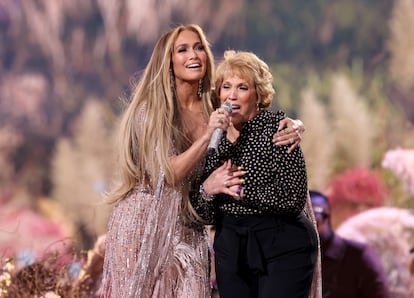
(249, 67)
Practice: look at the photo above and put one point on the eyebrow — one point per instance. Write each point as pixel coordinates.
(188, 45)
(238, 84)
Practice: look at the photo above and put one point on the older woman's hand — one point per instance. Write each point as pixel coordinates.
(289, 132)
(227, 179)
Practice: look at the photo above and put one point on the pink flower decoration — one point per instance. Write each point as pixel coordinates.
(401, 163)
(358, 185)
(23, 229)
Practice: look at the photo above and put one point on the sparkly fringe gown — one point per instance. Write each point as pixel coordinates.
(150, 252)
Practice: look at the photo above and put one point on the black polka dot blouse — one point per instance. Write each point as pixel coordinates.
(275, 182)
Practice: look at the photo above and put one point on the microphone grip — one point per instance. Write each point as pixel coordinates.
(215, 139)
(218, 132)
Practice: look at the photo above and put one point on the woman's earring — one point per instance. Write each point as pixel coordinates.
(172, 80)
(200, 88)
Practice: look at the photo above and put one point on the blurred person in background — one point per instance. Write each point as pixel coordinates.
(349, 268)
(155, 244)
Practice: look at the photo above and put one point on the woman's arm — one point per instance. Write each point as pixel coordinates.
(276, 180)
(225, 179)
(287, 185)
(184, 163)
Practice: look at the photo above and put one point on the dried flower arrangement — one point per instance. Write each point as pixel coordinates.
(72, 275)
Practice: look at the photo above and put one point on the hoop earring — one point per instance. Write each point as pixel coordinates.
(200, 88)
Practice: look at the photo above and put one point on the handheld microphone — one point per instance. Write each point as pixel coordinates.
(218, 132)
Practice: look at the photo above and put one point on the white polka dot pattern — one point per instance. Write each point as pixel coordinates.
(276, 181)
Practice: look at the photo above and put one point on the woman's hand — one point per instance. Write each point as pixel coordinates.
(226, 179)
(220, 118)
(289, 133)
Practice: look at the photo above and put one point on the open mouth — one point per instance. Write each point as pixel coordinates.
(194, 65)
(235, 107)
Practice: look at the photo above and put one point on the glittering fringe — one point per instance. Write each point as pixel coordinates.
(316, 289)
(150, 252)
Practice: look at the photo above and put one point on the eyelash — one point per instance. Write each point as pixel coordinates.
(241, 87)
(198, 48)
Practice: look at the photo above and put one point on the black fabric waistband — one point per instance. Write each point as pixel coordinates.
(246, 227)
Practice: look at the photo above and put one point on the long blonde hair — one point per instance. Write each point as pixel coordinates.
(145, 144)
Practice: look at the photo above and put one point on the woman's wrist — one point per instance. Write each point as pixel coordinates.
(205, 195)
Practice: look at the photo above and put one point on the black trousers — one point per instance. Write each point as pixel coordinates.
(264, 256)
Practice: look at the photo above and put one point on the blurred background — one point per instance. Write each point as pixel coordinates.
(344, 67)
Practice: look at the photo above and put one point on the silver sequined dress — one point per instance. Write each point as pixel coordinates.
(150, 252)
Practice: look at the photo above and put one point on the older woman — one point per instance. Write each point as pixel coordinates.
(265, 244)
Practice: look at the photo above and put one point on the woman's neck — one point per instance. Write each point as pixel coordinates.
(193, 120)
(233, 134)
(187, 95)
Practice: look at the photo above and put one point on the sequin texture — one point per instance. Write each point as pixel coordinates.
(151, 252)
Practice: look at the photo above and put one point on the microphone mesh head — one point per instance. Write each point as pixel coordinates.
(227, 106)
